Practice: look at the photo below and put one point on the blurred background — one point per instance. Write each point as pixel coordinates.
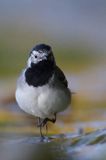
(76, 30)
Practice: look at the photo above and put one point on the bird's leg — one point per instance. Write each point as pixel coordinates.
(39, 125)
(42, 122)
(46, 129)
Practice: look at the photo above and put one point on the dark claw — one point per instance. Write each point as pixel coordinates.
(53, 120)
(44, 121)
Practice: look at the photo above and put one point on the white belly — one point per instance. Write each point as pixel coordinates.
(42, 101)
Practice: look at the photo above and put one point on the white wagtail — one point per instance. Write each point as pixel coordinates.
(42, 89)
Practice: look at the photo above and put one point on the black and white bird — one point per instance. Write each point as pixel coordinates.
(42, 89)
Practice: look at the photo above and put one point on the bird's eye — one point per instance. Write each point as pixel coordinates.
(35, 56)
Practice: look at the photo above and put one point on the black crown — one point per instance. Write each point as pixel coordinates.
(42, 47)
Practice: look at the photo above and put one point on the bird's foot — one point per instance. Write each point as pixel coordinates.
(43, 122)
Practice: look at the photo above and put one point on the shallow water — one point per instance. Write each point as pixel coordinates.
(91, 146)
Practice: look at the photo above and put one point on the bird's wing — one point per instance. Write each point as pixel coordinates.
(61, 77)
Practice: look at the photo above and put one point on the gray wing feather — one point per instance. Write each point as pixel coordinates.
(60, 75)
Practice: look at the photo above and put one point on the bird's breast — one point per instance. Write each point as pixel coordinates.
(42, 101)
(27, 98)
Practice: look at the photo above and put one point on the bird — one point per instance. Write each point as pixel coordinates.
(42, 88)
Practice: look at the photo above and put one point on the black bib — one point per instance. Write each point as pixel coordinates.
(40, 73)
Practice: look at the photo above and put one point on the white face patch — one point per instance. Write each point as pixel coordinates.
(36, 57)
(39, 54)
(35, 53)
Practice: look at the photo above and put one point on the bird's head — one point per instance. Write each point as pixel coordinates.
(41, 53)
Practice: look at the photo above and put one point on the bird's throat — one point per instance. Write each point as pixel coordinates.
(40, 73)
